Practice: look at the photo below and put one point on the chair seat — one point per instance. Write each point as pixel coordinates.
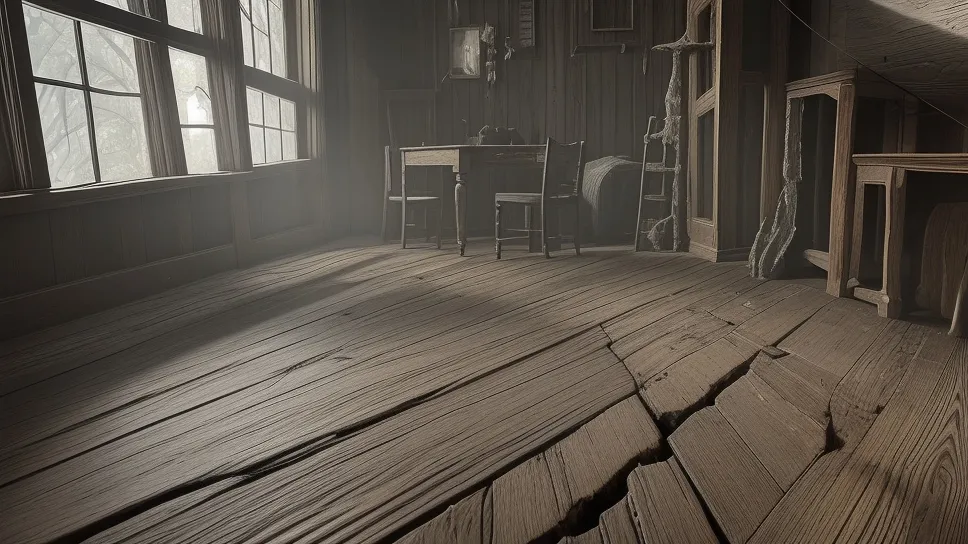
(526, 198)
(413, 198)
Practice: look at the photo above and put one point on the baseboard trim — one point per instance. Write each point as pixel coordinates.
(719, 256)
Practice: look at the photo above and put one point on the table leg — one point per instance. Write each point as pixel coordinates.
(460, 204)
(895, 196)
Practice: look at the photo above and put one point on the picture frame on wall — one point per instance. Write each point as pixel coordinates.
(612, 15)
(466, 60)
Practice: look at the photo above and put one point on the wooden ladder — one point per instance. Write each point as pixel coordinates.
(663, 196)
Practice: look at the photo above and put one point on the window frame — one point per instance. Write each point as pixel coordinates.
(300, 22)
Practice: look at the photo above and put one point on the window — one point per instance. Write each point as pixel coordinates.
(121, 90)
(89, 97)
(272, 127)
(264, 35)
(190, 76)
(185, 14)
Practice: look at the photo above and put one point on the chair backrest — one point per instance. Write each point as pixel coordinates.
(564, 169)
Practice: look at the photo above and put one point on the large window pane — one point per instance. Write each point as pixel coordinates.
(288, 146)
(272, 111)
(53, 45)
(264, 35)
(263, 56)
(67, 141)
(185, 14)
(258, 141)
(273, 145)
(254, 103)
(277, 37)
(200, 150)
(122, 149)
(111, 63)
(288, 115)
(246, 41)
(120, 4)
(190, 74)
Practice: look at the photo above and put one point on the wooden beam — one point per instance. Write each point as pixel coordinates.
(842, 193)
(774, 111)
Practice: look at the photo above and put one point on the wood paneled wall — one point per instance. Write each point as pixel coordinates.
(602, 97)
(59, 261)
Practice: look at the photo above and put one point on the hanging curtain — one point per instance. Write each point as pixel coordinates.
(222, 23)
(165, 146)
(19, 116)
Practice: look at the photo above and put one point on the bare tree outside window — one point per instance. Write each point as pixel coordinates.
(89, 99)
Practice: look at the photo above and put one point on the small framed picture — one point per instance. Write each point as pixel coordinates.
(465, 52)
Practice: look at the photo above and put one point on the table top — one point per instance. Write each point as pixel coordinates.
(529, 148)
(921, 162)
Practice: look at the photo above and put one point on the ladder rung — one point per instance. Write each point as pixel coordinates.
(658, 167)
(655, 198)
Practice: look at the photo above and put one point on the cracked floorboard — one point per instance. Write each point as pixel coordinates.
(370, 394)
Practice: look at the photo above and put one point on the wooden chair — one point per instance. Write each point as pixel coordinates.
(414, 203)
(564, 171)
(411, 121)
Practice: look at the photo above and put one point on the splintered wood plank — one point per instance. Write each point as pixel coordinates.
(836, 336)
(682, 388)
(594, 536)
(588, 460)
(811, 399)
(735, 486)
(774, 323)
(654, 348)
(904, 481)
(784, 439)
(525, 505)
(617, 525)
(459, 524)
(572, 472)
(665, 508)
(368, 484)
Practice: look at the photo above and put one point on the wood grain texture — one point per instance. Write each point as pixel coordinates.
(617, 524)
(459, 524)
(784, 439)
(734, 485)
(836, 337)
(427, 453)
(676, 392)
(785, 376)
(900, 482)
(578, 469)
(665, 507)
(588, 460)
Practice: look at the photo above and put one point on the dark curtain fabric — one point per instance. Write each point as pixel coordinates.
(158, 101)
(222, 23)
(23, 140)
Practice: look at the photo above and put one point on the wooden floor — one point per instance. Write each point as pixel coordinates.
(374, 394)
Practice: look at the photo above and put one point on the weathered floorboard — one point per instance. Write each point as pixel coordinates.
(665, 508)
(734, 485)
(426, 455)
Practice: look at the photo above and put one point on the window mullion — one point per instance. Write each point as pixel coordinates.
(88, 106)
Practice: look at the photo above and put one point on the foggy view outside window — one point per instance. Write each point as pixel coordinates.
(80, 79)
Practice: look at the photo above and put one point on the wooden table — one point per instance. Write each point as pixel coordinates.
(465, 160)
(890, 171)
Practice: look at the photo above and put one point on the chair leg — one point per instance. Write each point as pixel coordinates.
(440, 214)
(426, 210)
(383, 230)
(577, 227)
(403, 225)
(544, 231)
(497, 230)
